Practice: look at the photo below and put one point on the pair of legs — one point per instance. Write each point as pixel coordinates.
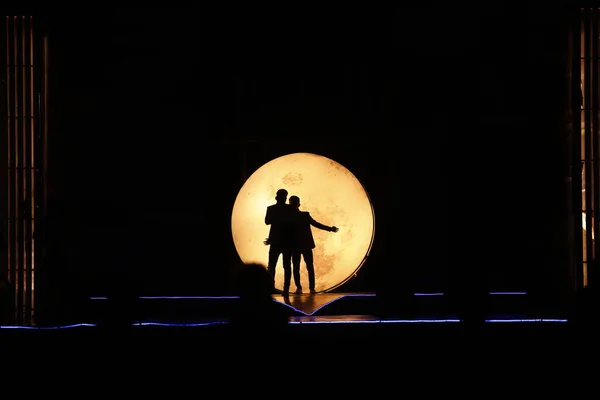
(307, 255)
(274, 253)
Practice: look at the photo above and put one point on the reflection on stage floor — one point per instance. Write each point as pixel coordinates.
(321, 308)
(309, 304)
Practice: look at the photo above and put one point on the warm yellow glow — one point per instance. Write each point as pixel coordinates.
(332, 195)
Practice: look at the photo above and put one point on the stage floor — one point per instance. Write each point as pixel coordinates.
(345, 330)
(325, 308)
(309, 304)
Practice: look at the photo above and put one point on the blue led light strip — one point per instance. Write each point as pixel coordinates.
(375, 321)
(41, 328)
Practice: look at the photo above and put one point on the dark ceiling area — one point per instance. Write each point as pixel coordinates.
(450, 117)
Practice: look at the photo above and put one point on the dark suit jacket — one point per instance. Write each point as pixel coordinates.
(278, 217)
(302, 237)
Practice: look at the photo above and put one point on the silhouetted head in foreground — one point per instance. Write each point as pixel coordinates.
(254, 283)
(256, 308)
(281, 196)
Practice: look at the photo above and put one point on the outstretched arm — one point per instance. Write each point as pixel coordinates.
(321, 226)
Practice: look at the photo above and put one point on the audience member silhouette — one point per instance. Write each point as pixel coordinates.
(256, 309)
(302, 242)
(278, 218)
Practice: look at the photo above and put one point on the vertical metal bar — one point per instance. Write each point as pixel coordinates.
(10, 140)
(19, 167)
(24, 144)
(596, 140)
(45, 95)
(587, 92)
(5, 127)
(28, 156)
(12, 234)
(33, 51)
(40, 153)
(571, 131)
(43, 152)
(576, 151)
(37, 236)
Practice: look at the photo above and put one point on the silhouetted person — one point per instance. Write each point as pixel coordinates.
(302, 242)
(278, 216)
(256, 309)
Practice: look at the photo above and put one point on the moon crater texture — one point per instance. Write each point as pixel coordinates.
(332, 195)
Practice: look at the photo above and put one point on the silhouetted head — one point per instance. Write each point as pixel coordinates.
(253, 282)
(295, 202)
(281, 196)
(256, 309)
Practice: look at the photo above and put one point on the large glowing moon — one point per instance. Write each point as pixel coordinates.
(332, 195)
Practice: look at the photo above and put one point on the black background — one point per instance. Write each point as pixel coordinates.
(451, 118)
